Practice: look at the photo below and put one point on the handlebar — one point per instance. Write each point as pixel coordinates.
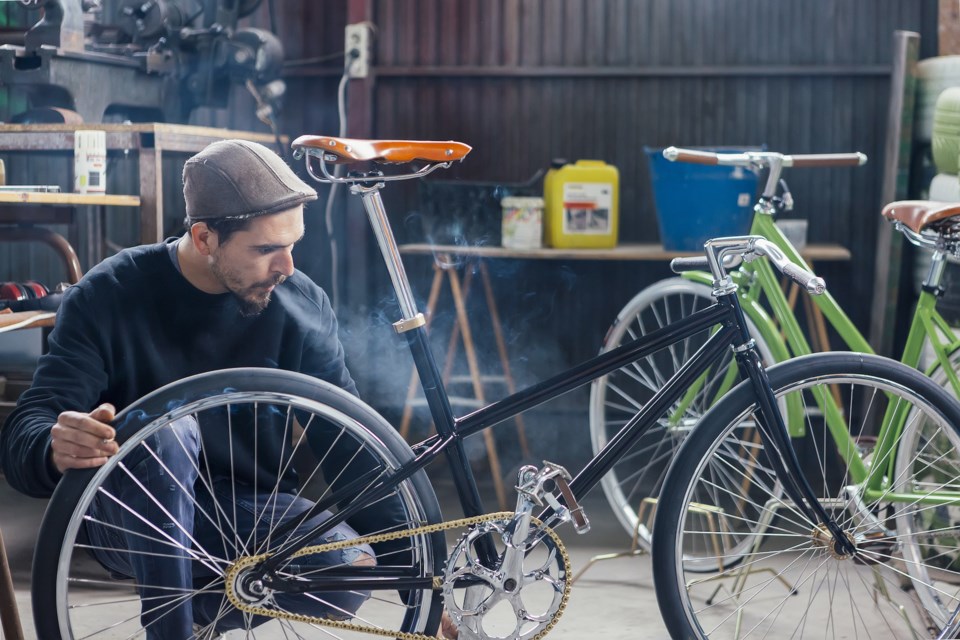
(721, 250)
(764, 158)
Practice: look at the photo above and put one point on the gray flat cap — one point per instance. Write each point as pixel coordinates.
(239, 178)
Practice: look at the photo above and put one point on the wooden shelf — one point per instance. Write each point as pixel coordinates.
(620, 252)
(156, 128)
(68, 199)
(26, 320)
(149, 143)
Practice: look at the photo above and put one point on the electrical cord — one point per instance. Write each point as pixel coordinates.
(303, 62)
(334, 188)
(337, 172)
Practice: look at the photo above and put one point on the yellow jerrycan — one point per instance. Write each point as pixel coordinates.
(581, 205)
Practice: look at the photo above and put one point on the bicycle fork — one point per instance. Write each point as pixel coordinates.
(783, 457)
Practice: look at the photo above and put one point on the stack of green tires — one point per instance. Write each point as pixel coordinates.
(945, 187)
(934, 75)
(945, 132)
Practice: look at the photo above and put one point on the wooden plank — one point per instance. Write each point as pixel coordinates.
(531, 34)
(491, 53)
(427, 28)
(552, 34)
(510, 35)
(948, 28)
(574, 33)
(68, 199)
(469, 39)
(607, 71)
(26, 320)
(156, 128)
(639, 251)
(350, 275)
(889, 249)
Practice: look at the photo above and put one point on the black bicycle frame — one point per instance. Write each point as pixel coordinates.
(452, 430)
(726, 314)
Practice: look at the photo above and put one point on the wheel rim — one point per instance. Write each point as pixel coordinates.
(928, 460)
(836, 596)
(89, 600)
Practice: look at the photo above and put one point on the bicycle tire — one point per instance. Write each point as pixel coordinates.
(59, 574)
(635, 480)
(924, 457)
(795, 550)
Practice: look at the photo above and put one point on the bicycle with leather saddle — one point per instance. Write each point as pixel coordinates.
(889, 451)
(508, 573)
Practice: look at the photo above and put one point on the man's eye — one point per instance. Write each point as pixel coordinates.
(265, 251)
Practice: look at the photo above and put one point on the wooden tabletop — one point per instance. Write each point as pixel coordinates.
(68, 199)
(620, 252)
(139, 127)
(26, 320)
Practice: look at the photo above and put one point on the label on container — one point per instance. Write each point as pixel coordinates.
(587, 207)
(90, 162)
(522, 222)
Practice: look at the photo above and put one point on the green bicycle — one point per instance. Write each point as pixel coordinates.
(634, 484)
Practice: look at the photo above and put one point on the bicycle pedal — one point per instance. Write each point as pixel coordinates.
(532, 485)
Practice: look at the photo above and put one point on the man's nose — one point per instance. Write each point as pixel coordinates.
(283, 264)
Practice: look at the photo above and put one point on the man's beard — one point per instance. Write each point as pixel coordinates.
(252, 300)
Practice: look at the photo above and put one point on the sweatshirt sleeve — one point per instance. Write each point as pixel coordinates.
(70, 376)
(324, 355)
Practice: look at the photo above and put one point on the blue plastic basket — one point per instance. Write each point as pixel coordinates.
(697, 202)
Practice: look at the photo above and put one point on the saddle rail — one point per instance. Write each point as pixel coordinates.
(927, 223)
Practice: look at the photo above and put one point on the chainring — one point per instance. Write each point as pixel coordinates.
(488, 604)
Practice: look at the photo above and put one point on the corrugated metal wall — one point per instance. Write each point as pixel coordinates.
(524, 81)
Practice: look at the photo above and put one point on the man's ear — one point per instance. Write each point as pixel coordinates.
(204, 238)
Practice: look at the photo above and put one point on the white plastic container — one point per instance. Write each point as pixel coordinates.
(522, 222)
(90, 162)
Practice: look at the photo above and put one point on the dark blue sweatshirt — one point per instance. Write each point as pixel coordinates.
(134, 324)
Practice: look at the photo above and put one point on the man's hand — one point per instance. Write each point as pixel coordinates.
(83, 440)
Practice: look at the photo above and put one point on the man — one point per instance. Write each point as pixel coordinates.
(223, 295)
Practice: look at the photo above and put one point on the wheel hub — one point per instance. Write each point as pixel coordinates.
(249, 587)
(823, 538)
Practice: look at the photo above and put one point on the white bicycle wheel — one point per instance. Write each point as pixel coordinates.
(633, 484)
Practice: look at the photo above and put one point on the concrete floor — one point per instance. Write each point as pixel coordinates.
(616, 595)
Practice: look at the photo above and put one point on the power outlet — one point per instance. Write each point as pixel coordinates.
(357, 50)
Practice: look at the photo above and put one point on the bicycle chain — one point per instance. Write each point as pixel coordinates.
(243, 563)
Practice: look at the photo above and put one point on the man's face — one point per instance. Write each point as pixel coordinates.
(252, 262)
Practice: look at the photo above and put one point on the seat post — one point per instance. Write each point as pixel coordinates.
(938, 263)
(377, 214)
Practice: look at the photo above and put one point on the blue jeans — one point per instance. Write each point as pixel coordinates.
(182, 540)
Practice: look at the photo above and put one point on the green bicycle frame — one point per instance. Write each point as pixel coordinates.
(779, 328)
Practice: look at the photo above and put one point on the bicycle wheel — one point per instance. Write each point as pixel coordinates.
(928, 460)
(792, 583)
(634, 483)
(310, 438)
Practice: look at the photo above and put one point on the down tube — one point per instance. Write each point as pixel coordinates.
(673, 390)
